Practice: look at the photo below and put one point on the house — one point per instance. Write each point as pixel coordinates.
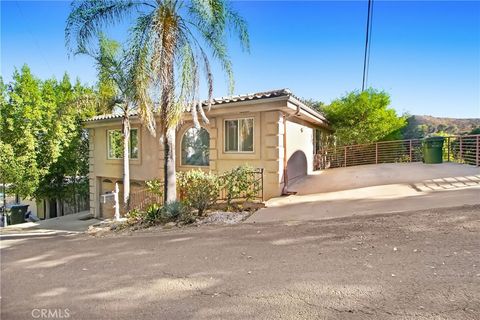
(272, 130)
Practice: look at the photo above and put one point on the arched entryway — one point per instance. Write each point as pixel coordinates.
(297, 166)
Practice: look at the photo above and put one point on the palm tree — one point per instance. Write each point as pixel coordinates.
(168, 45)
(116, 93)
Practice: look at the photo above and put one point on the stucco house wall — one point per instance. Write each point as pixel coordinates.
(272, 117)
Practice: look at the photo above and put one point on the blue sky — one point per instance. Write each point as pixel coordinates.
(425, 54)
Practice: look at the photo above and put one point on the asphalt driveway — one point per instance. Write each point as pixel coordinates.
(418, 265)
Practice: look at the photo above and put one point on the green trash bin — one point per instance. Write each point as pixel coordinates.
(433, 150)
(17, 213)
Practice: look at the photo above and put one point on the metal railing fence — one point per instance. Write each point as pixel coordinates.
(254, 191)
(142, 199)
(460, 149)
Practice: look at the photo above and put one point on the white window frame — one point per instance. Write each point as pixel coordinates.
(238, 135)
(108, 144)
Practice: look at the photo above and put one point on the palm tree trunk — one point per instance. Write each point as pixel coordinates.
(126, 159)
(170, 185)
(169, 125)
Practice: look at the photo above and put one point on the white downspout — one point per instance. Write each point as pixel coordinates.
(285, 190)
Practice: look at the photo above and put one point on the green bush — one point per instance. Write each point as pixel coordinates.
(135, 216)
(198, 189)
(153, 213)
(172, 211)
(240, 183)
(155, 186)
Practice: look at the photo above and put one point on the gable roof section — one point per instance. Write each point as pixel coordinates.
(238, 99)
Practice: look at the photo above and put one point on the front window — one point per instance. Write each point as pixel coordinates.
(239, 135)
(115, 144)
(196, 147)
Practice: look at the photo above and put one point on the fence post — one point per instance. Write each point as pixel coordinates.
(410, 150)
(477, 146)
(261, 171)
(345, 156)
(376, 152)
(117, 203)
(448, 149)
(461, 150)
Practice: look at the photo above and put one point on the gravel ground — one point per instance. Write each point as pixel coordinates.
(417, 265)
(222, 217)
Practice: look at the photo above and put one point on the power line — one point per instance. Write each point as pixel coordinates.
(366, 58)
(369, 45)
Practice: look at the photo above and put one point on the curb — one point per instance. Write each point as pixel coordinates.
(50, 233)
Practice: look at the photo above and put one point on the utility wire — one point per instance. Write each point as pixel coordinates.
(366, 58)
(369, 46)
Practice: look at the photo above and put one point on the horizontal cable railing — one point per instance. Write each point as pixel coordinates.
(461, 149)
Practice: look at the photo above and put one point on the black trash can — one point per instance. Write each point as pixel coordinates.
(433, 150)
(17, 213)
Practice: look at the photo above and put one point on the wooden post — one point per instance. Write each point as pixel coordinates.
(376, 152)
(117, 202)
(345, 156)
(410, 151)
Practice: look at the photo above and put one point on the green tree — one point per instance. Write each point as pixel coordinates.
(315, 104)
(21, 123)
(41, 133)
(168, 45)
(363, 117)
(475, 131)
(67, 175)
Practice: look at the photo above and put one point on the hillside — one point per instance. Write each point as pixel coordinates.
(421, 126)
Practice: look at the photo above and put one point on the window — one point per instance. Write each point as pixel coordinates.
(239, 135)
(196, 147)
(115, 144)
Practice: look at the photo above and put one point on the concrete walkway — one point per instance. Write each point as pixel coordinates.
(68, 224)
(373, 189)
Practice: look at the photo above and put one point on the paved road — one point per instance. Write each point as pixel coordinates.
(374, 189)
(420, 265)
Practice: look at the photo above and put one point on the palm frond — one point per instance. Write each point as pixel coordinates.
(141, 83)
(88, 17)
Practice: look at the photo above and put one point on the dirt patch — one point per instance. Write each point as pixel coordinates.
(111, 227)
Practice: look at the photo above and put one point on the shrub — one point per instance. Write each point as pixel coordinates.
(155, 186)
(240, 183)
(153, 213)
(187, 217)
(172, 211)
(198, 189)
(135, 216)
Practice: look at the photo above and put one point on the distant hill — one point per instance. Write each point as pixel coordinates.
(420, 126)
